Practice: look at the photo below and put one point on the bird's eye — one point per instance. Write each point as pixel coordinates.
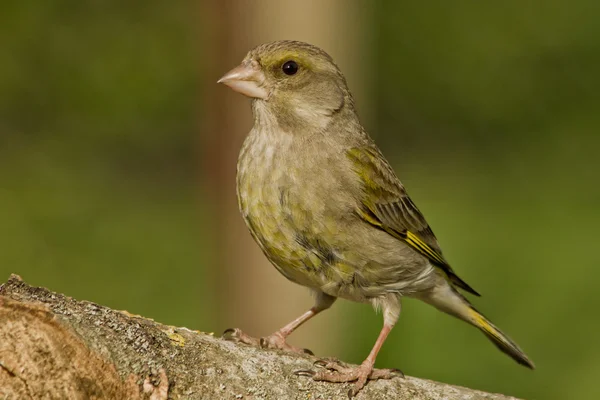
(290, 67)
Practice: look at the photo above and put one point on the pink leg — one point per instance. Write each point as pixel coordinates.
(277, 340)
(292, 326)
(385, 331)
(336, 372)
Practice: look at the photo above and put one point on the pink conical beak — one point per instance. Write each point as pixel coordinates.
(247, 79)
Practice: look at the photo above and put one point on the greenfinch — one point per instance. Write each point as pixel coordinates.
(328, 210)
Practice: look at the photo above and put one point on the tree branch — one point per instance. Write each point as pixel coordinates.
(53, 346)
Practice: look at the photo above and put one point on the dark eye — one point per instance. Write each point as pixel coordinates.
(289, 67)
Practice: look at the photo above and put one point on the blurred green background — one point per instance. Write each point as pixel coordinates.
(489, 112)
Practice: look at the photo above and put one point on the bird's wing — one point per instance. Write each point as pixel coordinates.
(386, 205)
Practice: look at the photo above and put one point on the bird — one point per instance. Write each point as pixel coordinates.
(328, 210)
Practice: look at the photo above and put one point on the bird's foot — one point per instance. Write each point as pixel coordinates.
(337, 371)
(239, 336)
(274, 341)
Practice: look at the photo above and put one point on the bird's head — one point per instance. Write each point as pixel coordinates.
(296, 82)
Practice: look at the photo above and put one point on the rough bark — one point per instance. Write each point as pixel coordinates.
(56, 347)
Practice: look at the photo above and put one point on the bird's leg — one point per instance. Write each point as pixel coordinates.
(337, 372)
(277, 340)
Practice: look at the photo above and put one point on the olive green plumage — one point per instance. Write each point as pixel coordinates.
(325, 206)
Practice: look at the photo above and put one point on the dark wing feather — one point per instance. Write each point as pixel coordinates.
(387, 206)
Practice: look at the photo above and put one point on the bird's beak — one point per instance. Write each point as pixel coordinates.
(246, 79)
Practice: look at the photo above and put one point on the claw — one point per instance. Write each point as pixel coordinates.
(304, 372)
(398, 372)
(309, 352)
(229, 334)
(385, 374)
(274, 341)
(320, 363)
(331, 365)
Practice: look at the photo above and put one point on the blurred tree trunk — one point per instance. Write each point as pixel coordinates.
(252, 294)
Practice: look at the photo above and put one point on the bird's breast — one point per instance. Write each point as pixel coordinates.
(286, 195)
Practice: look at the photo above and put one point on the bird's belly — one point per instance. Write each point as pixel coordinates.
(319, 250)
(277, 227)
(306, 226)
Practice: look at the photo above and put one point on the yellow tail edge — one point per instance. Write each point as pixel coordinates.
(503, 342)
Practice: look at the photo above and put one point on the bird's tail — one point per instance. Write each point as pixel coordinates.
(450, 301)
(503, 342)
